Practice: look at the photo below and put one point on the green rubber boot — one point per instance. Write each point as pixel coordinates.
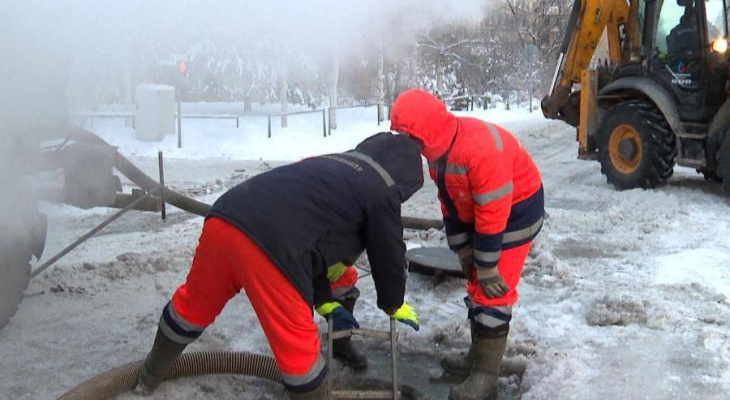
(460, 364)
(483, 381)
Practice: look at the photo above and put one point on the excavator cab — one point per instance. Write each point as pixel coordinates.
(660, 99)
(683, 60)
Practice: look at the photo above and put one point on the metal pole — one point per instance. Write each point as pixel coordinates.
(324, 124)
(330, 353)
(329, 126)
(394, 357)
(179, 123)
(269, 126)
(89, 234)
(162, 186)
(377, 106)
(237, 122)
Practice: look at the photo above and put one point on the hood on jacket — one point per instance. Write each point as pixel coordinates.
(423, 116)
(399, 156)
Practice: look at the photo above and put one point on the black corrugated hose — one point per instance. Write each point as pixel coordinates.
(124, 378)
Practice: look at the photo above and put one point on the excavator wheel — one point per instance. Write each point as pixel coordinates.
(15, 269)
(636, 146)
(723, 164)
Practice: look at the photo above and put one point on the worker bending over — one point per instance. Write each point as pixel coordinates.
(275, 235)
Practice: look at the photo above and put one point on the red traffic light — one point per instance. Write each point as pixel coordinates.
(182, 66)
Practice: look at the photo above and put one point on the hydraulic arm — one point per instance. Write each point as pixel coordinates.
(588, 20)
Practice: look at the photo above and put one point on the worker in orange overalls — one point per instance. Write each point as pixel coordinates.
(276, 234)
(492, 203)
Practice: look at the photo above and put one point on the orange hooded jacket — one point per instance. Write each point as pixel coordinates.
(490, 189)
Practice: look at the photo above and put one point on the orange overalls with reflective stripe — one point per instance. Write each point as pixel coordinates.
(226, 261)
(489, 187)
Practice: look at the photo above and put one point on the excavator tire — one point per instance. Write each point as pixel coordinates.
(636, 146)
(15, 260)
(723, 164)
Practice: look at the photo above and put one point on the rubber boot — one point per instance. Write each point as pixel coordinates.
(343, 349)
(460, 364)
(483, 381)
(320, 393)
(164, 352)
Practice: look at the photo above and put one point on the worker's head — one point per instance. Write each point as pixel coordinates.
(398, 155)
(424, 117)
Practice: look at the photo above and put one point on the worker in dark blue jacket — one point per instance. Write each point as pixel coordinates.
(275, 236)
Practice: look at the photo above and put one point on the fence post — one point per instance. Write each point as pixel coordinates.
(269, 126)
(324, 124)
(377, 106)
(179, 123)
(329, 126)
(237, 121)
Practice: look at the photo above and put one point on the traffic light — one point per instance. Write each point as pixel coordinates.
(182, 66)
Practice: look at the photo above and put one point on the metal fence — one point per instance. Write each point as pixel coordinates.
(326, 113)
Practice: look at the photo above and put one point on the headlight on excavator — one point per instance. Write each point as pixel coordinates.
(719, 46)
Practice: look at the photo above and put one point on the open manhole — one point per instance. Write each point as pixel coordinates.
(419, 375)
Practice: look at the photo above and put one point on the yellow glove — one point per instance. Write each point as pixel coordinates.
(407, 315)
(341, 318)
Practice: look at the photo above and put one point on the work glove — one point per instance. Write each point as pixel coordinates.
(342, 319)
(407, 315)
(491, 282)
(466, 260)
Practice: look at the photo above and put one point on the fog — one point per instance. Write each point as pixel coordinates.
(57, 55)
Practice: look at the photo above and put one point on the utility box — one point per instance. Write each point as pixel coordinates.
(155, 114)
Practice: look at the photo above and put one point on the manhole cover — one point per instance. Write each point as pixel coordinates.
(436, 261)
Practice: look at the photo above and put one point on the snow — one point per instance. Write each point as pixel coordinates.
(624, 294)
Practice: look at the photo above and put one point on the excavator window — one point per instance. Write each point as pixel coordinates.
(677, 35)
(716, 22)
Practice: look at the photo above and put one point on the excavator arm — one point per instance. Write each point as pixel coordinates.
(588, 20)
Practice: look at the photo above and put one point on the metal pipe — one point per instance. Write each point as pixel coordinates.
(88, 235)
(330, 351)
(163, 211)
(394, 357)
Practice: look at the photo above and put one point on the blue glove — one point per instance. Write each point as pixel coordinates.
(342, 319)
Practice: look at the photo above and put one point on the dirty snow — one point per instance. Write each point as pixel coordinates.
(624, 294)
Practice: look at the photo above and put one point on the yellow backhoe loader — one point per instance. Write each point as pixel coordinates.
(661, 96)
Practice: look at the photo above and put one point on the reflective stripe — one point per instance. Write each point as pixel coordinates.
(522, 234)
(182, 322)
(377, 167)
(493, 316)
(176, 328)
(487, 256)
(495, 135)
(455, 240)
(335, 271)
(488, 197)
(489, 321)
(312, 374)
(345, 292)
(456, 169)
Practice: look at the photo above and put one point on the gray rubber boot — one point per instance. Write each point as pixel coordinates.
(320, 393)
(460, 364)
(164, 352)
(483, 381)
